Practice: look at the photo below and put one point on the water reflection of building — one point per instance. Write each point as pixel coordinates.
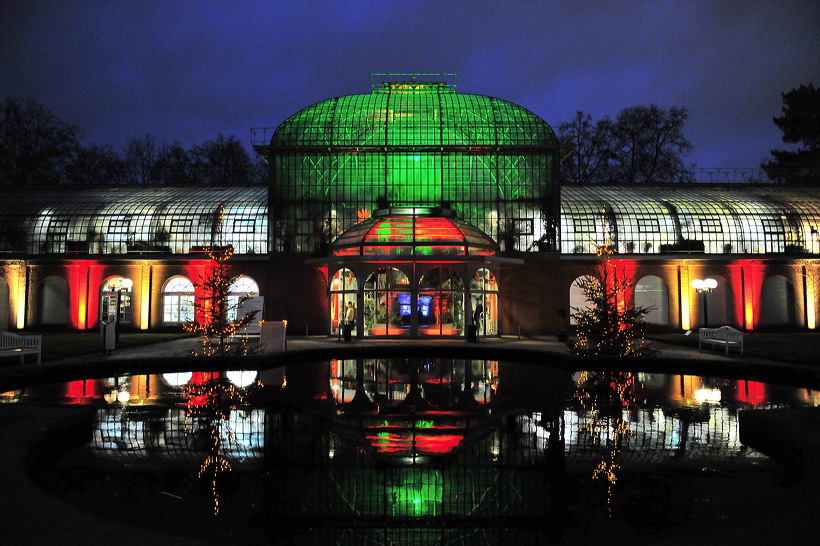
(414, 449)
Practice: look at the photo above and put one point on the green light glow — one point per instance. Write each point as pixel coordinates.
(416, 492)
(409, 144)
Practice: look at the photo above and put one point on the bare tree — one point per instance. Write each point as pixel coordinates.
(590, 149)
(35, 146)
(223, 162)
(95, 165)
(650, 145)
(644, 144)
(141, 155)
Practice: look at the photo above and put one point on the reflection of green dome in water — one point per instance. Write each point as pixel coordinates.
(414, 114)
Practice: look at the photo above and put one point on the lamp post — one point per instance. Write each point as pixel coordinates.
(703, 286)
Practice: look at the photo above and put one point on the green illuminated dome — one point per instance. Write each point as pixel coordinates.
(414, 114)
(412, 144)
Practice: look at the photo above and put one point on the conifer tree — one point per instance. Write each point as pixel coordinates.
(608, 326)
(217, 319)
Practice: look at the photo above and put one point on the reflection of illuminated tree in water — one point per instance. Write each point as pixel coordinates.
(210, 403)
(605, 396)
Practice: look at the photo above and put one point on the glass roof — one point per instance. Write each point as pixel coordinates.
(412, 231)
(716, 219)
(427, 114)
(120, 219)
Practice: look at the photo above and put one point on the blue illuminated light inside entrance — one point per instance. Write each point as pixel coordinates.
(423, 305)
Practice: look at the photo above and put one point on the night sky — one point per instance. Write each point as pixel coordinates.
(187, 71)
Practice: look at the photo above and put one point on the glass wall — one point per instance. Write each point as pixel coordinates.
(344, 289)
(387, 303)
(484, 297)
(440, 309)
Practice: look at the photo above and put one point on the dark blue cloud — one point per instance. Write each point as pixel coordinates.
(189, 70)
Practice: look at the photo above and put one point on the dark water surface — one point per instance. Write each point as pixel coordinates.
(424, 451)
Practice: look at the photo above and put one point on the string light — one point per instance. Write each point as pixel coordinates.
(608, 326)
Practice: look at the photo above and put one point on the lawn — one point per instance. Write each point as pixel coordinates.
(796, 347)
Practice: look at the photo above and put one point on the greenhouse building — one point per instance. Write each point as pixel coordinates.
(412, 210)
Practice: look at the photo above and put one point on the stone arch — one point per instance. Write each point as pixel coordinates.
(715, 307)
(55, 302)
(5, 304)
(777, 302)
(652, 292)
(577, 299)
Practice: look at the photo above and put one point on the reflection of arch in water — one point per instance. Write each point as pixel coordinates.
(577, 299)
(5, 306)
(651, 291)
(777, 302)
(718, 305)
(54, 301)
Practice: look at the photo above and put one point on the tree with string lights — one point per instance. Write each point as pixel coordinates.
(217, 319)
(608, 325)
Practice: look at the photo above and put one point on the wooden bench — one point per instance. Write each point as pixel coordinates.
(725, 336)
(21, 345)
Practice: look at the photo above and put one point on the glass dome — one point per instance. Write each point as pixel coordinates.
(414, 114)
(413, 231)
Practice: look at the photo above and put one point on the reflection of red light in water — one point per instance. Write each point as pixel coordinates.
(751, 392)
(402, 443)
(81, 389)
(199, 379)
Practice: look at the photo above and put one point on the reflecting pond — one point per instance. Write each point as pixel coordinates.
(417, 451)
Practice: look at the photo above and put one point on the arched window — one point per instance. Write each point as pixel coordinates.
(577, 299)
(178, 301)
(484, 302)
(343, 289)
(242, 288)
(114, 293)
(651, 291)
(387, 305)
(440, 303)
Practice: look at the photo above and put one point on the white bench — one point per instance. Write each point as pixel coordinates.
(20, 345)
(725, 336)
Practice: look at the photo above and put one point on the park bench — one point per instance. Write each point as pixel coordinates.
(725, 336)
(20, 345)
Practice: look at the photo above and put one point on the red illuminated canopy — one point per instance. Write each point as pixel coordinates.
(413, 231)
